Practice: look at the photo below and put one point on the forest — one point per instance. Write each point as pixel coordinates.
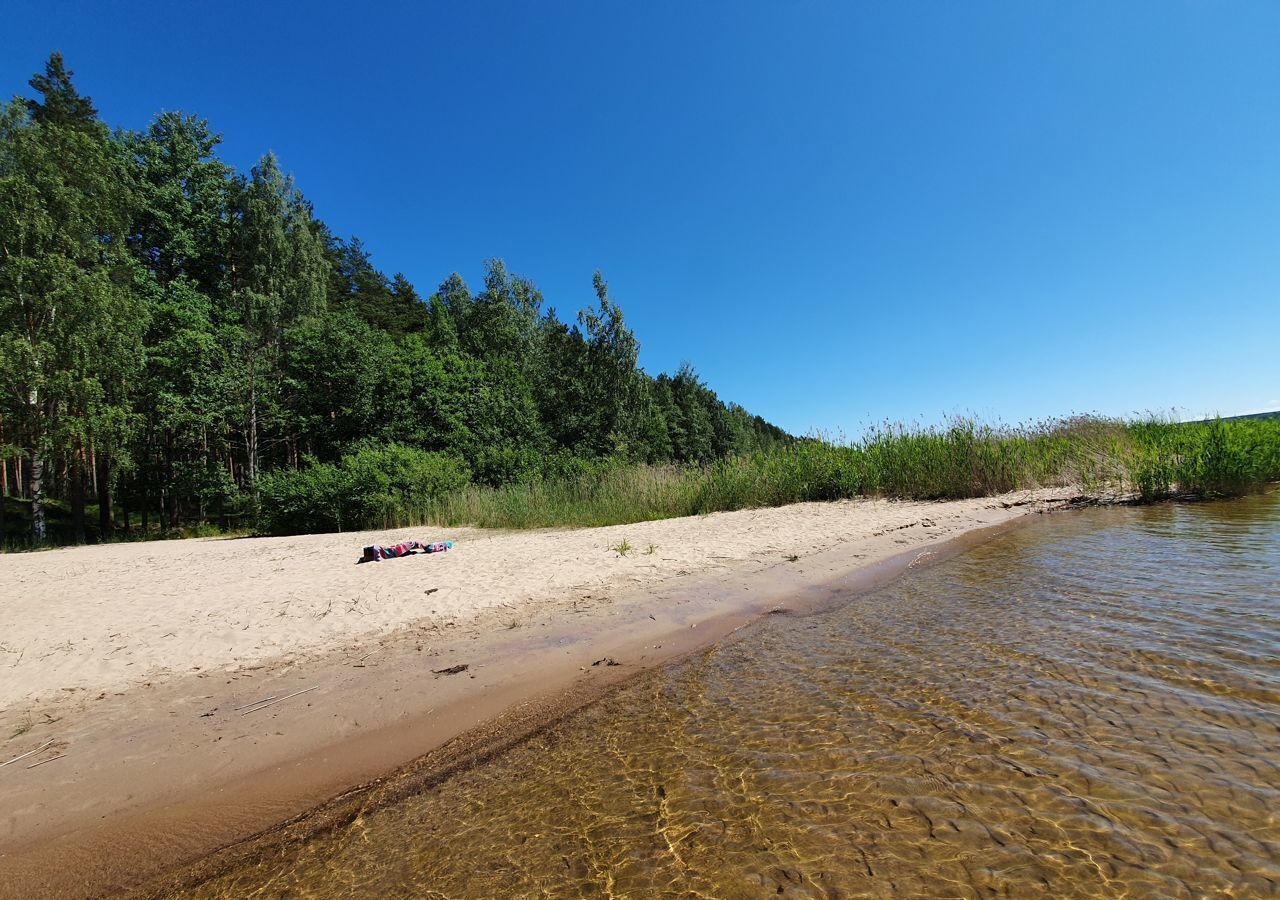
(185, 349)
(183, 344)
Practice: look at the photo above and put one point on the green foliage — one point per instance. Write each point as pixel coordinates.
(71, 316)
(178, 331)
(334, 370)
(183, 194)
(357, 288)
(1149, 459)
(612, 379)
(374, 487)
(60, 103)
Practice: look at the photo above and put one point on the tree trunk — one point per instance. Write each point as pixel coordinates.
(168, 475)
(36, 476)
(75, 477)
(253, 439)
(77, 492)
(204, 459)
(102, 474)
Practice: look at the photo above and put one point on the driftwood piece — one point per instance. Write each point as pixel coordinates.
(28, 753)
(255, 703)
(267, 703)
(43, 761)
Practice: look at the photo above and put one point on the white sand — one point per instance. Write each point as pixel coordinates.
(105, 618)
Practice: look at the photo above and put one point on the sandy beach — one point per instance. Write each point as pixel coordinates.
(138, 673)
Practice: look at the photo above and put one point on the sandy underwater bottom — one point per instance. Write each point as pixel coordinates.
(1088, 707)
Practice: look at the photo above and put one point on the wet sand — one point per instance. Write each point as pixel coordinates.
(158, 757)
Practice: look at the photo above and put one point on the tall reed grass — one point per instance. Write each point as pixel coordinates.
(1148, 459)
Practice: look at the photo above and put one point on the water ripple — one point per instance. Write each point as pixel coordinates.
(1088, 707)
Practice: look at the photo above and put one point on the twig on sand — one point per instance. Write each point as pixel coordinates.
(43, 761)
(256, 702)
(280, 699)
(25, 755)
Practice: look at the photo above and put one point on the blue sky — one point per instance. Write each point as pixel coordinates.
(839, 212)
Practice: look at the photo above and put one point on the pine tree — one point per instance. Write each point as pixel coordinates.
(60, 103)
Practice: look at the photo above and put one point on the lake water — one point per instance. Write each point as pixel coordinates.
(1088, 706)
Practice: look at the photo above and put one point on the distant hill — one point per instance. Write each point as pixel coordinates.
(1274, 414)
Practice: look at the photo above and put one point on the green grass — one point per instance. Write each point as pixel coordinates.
(1150, 459)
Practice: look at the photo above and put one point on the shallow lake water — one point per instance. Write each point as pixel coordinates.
(1087, 706)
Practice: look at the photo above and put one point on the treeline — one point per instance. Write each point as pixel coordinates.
(176, 336)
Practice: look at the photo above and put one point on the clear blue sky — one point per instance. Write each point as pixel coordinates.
(839, 212)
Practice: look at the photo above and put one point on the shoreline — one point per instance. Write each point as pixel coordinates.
(170, 786)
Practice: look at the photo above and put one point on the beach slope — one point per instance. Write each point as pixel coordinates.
(181, 696)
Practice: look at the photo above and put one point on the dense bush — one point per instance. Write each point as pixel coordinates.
(374, 487)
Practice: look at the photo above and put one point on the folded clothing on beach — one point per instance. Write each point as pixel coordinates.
(377, 553)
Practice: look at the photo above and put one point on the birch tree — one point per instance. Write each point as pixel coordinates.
(70, 320)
